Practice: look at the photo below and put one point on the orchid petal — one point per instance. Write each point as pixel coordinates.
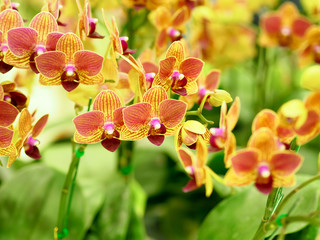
(18, 62)
(118, 117)
(9, 19)
(50, 81)
(180, 16)
(40, 124)
(265, 187)
(127, 134)
(264, 140)
(33, 152)
(191, 68)
(229, 148)
(107, 102)
(233, 114)
(88, 63)
(191, 185)
(212, 80)
(233, 179)
(188, 138)
(245, 161)
(51, 64)
(202, 153)
(69, 43)
(44, 23)
(9, 151)
(265, 118)
(52, 40)
(285, 163)
(96, 137)
(284, 181)
(137, 116)
(166, 67)
(25, 123)
(176, 50)
(191, 88)
(300, 26)
(87, 124)
(186, 157)
(5, 137)
(154, 96)
(156, 139)
(194, 126)
(22, 48)
(310, 128)
(85, 79)
(272, 24)
(111, 144)
(171, 112)
(8, 114)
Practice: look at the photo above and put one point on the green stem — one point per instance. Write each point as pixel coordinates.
(125, 157)
(67, 192)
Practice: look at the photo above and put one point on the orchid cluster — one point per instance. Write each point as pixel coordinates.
(168, 90)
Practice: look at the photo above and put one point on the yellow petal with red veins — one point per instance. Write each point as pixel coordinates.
(191, 68)
(87, 80)
(5, 137)
(8, 114)
(44, 23)
(96, 137)
(171, 112)
(40, 124)
(154, 96)
(191, 87)
(107, 102)
(50, 81)
(69, 43)
(18, 62)
(25, 123)
(9, 19)
(128, 135)
(187, 137)
(51, 64)
(176, 50)
(265, 141)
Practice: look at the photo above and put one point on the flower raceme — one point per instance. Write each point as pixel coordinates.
(264, 162)
(155, 117)
(103, 124)
(177, 72)
(69, 65)
(39, 37)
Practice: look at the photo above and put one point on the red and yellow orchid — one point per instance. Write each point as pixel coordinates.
(86, 23)
(197, 169)
(9, 19)
(39, 37)
(9, 94)
(155, 117)
(285, 28)
(189, 133)
(103, 124)
(70, 65)
(7, 4)
(170, 25)
(54, 7)
(264, 163)
(222, 137)
(177, 72)
(28, 132)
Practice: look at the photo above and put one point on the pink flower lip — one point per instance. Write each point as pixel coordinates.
(218, 132)
(177, 76)
(264, 171)
(285, 31)
(31, 141)
(202, 92)
(70, 70)
(109, 127)
(40, 49)
(173, 33)
(150, 77)
(4, 48)
(155, 123)
(190, 170)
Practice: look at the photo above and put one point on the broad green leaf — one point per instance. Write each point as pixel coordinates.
(29, 205)
(235, 218)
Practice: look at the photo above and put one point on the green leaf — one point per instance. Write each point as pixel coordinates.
(236, 218)
(29, 205)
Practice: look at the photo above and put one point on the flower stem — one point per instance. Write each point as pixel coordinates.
(61, 230)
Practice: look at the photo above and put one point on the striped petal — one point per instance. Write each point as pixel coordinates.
(85, 79)
(107, 102)
(40, 124)
(171, 112)
(44, 23)
(50, 81)
(69, 43)
(176, 50)
(245, 161)
(166, 67)
(88, 124)
(191, 68)
(88, 63)
(188, 138)
(128, 135)
(8, 114)
(22, 48)
(186, 157)
(25, 123)
(9, 19)
(18, 62)
(9, 151)
(96, 137)
(154, 96)
(137, 116)
(285, 163)
(5, 137)
(51, 64)
(52, 40)
(118, 117)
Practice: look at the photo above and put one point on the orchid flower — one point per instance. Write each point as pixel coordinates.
(103, 124)
(222, 137)
(264, 163)
(54, 7)
(70, 65)
(155, 117)
(285, 27)
(310, 47)
(177, 72)
(28, 133)
(39, 37)
(9, 19)
(9, 94)
(197, 169)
